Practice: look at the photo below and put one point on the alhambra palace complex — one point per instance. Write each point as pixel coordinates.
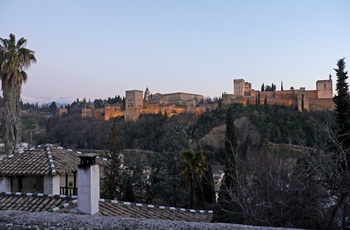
(137, 102)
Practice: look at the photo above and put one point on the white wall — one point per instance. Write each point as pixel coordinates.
(88, 189)
(52, 184)
(5, 184)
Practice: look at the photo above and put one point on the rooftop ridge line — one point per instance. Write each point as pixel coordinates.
(47, 146)
(29, 194)
(62, 206)
(156, 206)
(49, 157)
(15, 154)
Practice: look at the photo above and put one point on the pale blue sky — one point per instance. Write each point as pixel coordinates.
(98, 49)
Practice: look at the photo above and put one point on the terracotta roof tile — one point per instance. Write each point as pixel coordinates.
(31, 202)
(132, 210)
(56, 203)
(43, 160)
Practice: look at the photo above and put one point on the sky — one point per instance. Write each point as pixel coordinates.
(99, 49)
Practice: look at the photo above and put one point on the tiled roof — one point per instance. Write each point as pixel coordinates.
(34, 202)
(136, 210)
(38, 202)
(43, 160)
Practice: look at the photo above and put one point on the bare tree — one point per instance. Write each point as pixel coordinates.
(272, 191)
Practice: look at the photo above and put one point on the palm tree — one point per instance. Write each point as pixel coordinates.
(14, 59)
(193, 165)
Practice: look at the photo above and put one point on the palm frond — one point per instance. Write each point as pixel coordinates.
(20, 42)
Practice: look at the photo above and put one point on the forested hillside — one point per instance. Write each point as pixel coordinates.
(276, 124)
(277, 146)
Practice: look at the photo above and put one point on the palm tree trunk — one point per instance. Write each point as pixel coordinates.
(11, 93)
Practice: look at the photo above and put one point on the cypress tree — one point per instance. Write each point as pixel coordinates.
(342, 108)
(111, 181)
(230, 177)
(208, 186)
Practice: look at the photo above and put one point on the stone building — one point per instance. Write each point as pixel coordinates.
(133, 104)
(319, 99)
(62, 111)
(170, 104)
(137, 103)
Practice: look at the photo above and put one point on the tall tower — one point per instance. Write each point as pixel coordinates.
(324, 88)
(133, 104)
(238, 87)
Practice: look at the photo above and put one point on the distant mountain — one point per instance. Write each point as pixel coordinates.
(60, 101)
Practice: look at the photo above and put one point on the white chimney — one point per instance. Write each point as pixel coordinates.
(88, 184)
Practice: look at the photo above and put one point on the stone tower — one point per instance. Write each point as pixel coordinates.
(238, 87)
(324, 88)
(133, 104)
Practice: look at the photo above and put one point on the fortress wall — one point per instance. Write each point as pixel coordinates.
(132, 115)
(178, 109)
(151, 108)
(116, 111)
(237, 101)
(322, 104)
(228, 98)
(287, 94)
(85, 112)
(251, 101)
(268, 94)
(270, 101)
(312, 94)
(280, 101)
(98, 113)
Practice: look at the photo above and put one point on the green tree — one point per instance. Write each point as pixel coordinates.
(53, 107)
(208, 186)
(111, 181)
(14, 60)
(340, 178)
(342, 108)
(126, 187)
(231, 146)
(168, 185)
(230, 170)
(192, 164)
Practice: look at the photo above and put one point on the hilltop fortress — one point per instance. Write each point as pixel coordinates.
(319, 99)
(137, 102)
